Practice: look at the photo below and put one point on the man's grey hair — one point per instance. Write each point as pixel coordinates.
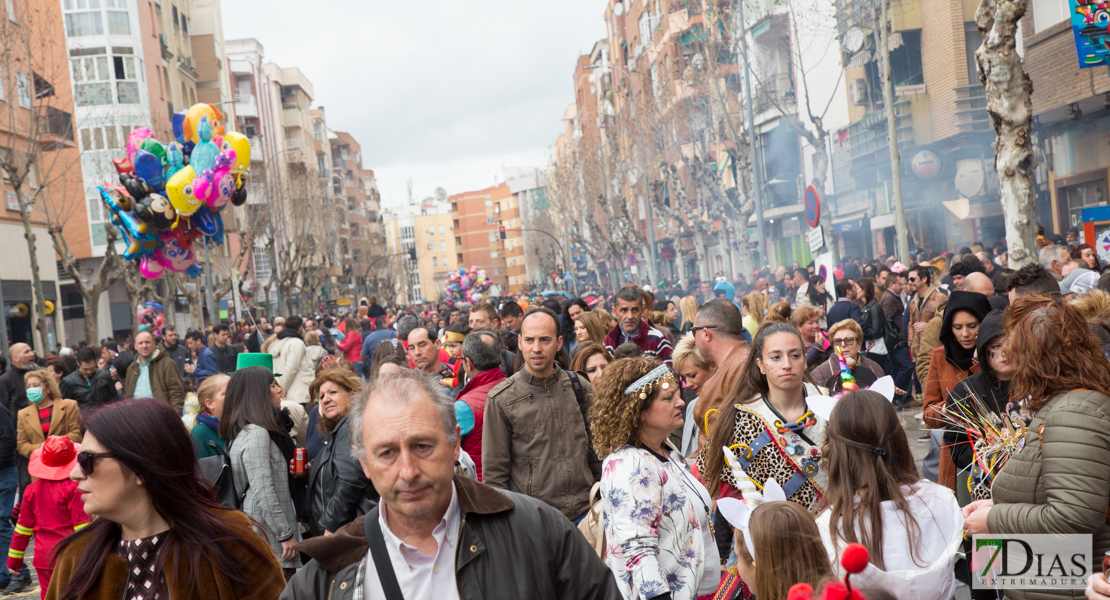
(400, 387)
(724, 314)
(1048, 254)
(405, 325)
(483, 348)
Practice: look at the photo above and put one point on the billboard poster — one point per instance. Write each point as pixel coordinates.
(1089, 21)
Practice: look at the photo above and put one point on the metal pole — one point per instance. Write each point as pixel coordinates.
(901, 232)
(213, 310)
(4, 324)
(753, 142)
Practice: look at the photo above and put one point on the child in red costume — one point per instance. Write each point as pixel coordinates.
(51, 508)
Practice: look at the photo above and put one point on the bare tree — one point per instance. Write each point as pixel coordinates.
(303, 219)
(37, 154)
(138, 287)
(1010, 106)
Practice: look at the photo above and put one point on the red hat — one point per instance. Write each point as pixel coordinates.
(55, 459)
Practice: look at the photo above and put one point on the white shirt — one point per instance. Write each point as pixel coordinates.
(420, 577)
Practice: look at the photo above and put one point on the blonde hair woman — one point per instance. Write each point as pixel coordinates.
(695, 370)
(590, 327)
(754, 308)
(688, 306)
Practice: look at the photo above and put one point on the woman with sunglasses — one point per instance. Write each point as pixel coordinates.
(158, 523)
(848, 336)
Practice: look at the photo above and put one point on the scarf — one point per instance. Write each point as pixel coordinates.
(288, 333)
(970, 302)
(209, 421)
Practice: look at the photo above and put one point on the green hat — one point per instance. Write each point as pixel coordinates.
(255, 359)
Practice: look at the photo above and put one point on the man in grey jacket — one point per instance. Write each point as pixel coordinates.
(438, 535)
(535, 437)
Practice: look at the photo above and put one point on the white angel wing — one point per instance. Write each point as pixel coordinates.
(885, 386)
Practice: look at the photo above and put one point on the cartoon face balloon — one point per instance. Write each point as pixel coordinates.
(175, 159)
(179, 126)
(148, 167)
(179, 190)
(193, 117)
(136, 139)
(173, 257)
(156, 211)
(204, 154)
(207, 222)
(152, 146)
(242, 147)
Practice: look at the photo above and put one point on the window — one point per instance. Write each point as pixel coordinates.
(23, 89)
(441, 230)
(435, 262)
(1047, 13)
(489, 220)
(493, 254)
(431, 245)
(118, 22)
(442, 246)
(443, 259)
(492, 237)
(262, 269)
(10, 5)
(94, 72)
(175, 21)
(83, 17)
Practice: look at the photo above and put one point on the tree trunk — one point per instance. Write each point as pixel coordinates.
(92, 319)
(36, 281)
(744, 253)
(1011, 109)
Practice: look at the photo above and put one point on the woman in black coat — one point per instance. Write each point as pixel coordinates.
(337, 486)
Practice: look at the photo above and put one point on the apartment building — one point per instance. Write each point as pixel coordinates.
(350, 198)
(477, 219)
(944, 136)
(428, 230)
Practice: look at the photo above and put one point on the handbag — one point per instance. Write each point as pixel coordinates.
(217, 470)
(592, 525)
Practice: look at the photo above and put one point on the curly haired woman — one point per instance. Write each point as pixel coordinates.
(656, 512)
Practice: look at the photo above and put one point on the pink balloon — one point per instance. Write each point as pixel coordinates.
(172, 256)
(150, 268)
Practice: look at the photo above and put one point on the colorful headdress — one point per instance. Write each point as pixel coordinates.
(660, 376)
(822, 405)
(847, 380)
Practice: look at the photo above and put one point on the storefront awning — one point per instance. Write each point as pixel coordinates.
(882, 221)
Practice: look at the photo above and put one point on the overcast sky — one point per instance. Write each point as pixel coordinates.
(440, 91)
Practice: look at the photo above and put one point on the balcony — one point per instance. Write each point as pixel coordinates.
(291, 116)
(971, 108)
(246, 106)
(57, 127)
(774, 93)
(166, 53)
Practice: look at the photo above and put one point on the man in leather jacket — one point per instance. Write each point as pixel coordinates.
(473, 541)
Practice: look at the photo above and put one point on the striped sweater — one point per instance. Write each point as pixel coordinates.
(652, 342)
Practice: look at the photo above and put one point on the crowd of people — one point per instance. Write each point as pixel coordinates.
(660, 442)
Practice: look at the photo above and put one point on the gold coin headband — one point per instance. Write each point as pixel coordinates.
(645, 385)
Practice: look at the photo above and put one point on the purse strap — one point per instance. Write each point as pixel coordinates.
(382, 562)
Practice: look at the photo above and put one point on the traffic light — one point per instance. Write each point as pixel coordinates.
(502, 230)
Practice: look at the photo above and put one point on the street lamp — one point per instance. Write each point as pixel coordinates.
(643, 168)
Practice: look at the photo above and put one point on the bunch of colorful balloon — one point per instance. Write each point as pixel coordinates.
(170, 195)
(151, 318)
(470, 285)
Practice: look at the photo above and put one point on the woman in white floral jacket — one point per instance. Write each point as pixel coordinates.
(658, 539)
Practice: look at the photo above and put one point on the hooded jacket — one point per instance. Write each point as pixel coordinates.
(950, 364)
(295, 368)
(985, 385)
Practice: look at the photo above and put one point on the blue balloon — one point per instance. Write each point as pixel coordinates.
(207, 222)
(149, 168)
(179, 126)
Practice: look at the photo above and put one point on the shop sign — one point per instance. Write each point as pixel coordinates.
(816, 239)
(925, 164)
(791, 227)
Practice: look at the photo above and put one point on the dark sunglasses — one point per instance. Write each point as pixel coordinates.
(697, 329)
(87, 460)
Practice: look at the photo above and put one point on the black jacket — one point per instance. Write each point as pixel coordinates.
(89, 394)
(510, 547)
(178, 353)
(847, 309)
(985, 385)
(338, 488)
(13, 392)
(226, 357)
